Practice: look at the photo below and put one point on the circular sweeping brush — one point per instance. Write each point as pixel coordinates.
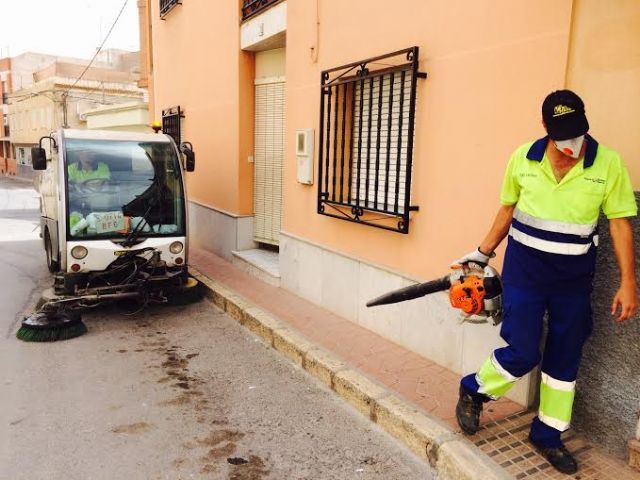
(51, 327)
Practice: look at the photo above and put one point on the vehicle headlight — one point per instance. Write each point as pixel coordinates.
(176, 247)
(79, 252)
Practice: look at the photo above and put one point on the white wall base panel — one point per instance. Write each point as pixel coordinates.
(427, 326)
(219, 232)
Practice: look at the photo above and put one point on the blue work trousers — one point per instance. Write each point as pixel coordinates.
(569, 326)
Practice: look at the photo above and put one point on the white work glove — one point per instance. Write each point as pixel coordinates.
(475, 256)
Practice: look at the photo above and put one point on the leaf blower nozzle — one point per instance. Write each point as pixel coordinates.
(476, 289)
(411, 292)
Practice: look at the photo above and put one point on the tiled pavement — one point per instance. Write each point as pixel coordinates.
(506, 442)
(431, 387)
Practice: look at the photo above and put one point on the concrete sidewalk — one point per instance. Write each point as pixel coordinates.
(410, 397)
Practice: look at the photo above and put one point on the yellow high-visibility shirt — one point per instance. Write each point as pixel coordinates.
(76, 174)
(599, 181)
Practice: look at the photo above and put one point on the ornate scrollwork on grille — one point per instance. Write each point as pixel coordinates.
(366, 140)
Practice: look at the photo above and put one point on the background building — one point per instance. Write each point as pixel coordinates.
(286, 75)
(128, 117)
(16, 73)
(7, 161)
(52, 96)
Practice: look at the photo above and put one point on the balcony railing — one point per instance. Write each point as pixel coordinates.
(167, 5)
(253, 7)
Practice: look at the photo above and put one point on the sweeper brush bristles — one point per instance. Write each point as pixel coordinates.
(51, 334)
(50, 327)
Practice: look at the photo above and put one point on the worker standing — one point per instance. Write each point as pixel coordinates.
(552, 195)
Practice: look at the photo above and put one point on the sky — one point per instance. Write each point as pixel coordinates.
(69, 28)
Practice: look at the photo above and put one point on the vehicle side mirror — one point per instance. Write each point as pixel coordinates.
(190, 158)
(38, 158)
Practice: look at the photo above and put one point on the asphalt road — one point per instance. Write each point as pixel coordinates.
(172, 393)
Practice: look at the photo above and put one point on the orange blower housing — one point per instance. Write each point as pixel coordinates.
(468, 294)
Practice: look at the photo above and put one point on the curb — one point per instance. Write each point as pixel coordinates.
(449, 453)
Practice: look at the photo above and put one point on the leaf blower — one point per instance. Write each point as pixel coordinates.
(474, 288)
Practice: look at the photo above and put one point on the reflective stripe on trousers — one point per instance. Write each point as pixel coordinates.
(522, 328)
(556, 396)
(556, 402)
(494, 380)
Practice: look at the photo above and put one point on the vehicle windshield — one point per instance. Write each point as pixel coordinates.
(123, 189)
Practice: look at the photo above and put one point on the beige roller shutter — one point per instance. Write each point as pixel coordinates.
(391, 137)
(268, 158)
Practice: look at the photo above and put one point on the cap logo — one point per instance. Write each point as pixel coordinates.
(560, 110)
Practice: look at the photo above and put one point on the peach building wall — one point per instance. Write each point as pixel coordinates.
(604, 67)
(490, 64)
(197, 64)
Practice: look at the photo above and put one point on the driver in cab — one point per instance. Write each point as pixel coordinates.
(86, 168)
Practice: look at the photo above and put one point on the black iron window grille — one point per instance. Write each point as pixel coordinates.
(367, 120)
(167, 5)
(253, 7)
(171, 119)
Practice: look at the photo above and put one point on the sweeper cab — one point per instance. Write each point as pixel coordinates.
(114, 220)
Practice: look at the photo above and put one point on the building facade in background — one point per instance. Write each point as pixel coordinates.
(7, 162)
(42, 94)
(16, 73)
(317, 122)
(123, 117)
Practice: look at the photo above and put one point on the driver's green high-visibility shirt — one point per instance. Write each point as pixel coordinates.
(76, 174)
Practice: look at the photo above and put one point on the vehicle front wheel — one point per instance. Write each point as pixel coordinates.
(52, 264)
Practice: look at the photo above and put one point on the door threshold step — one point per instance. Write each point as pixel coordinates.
(262, 264)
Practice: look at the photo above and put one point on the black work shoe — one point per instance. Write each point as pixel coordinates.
(468, 412)
(559, 458)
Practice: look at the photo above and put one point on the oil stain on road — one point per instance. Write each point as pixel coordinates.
(220, 445)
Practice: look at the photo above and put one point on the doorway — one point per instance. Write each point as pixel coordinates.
(269, 145)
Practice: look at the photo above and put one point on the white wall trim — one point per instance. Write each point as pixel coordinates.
(219, 232)
(219, 210)
(387, 269)
(428, 326)
(266, 30)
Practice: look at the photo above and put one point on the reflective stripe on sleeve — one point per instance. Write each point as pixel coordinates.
(556, 402)
(494, 380)
(547, 245)
(555, 226)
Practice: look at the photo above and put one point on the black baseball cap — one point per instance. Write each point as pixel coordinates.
(563, 114)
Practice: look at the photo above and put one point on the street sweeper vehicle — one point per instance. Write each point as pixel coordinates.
(113, 219)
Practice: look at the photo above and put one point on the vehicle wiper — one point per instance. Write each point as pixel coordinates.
(159, 196)
(135, 233)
